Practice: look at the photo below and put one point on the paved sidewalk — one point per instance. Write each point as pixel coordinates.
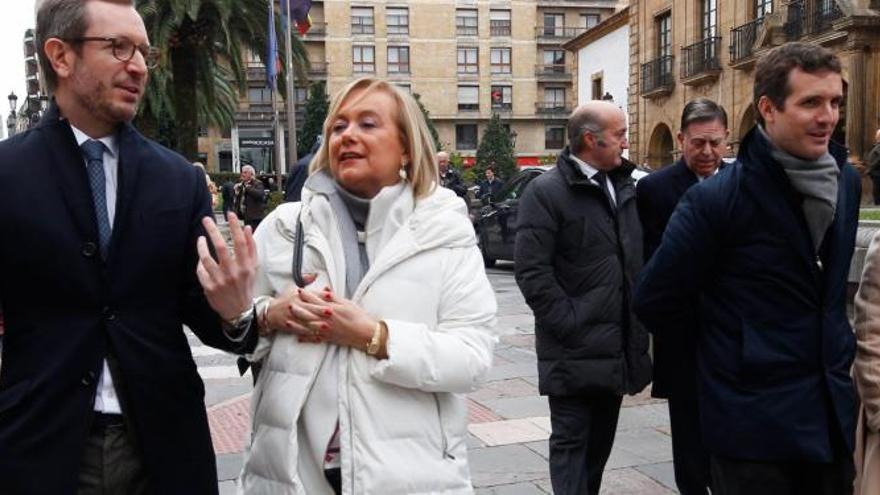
(509, 422)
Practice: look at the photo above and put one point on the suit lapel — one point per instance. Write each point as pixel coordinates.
(129, 166)
(70, 175)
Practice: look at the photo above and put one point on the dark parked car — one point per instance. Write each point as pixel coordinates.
(495, 221)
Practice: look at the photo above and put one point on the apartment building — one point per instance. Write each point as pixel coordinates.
(467, 59)
(684, 49)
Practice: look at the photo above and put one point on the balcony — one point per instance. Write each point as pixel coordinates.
(552, 108)
(742, 42)
(657, 77)
(316, 32)
(256, 72)
(701, 62)
(317, 70)
(556, 34)
(552, 73)
(807, 18)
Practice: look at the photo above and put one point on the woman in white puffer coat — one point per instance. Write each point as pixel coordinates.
(362, 391)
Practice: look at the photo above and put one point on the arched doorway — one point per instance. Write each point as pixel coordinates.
(660, 147)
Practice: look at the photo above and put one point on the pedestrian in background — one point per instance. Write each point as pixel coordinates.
(394, 330)
(227, 193)
(449, 177)
(297, 177)
(212, 188)
(249, 197)
(578, 251)
(873, 163)
(490, 186)
(866, 374)
(98, 389)
(758, 258)
(702, 137)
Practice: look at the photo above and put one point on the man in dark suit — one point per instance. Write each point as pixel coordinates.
(492, 185)
(757, 260)
(702, 139)
(98, 389)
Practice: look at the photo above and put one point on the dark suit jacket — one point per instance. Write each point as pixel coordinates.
(67, 309)
(775, 345)
(656, 195)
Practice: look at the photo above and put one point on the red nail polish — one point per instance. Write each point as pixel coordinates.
(328, 312)
(328, 297)
(325, 327)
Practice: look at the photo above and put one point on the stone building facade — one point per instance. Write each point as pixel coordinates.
(684, 49)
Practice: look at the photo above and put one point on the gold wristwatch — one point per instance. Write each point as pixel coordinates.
(376, 341)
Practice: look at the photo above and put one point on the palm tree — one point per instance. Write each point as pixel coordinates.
(202, 69)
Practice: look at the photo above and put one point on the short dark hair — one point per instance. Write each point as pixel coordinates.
(771, 72)
(702, 110)
(62, 19)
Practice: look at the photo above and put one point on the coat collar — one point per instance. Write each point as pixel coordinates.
(783, 206)
(573, 175)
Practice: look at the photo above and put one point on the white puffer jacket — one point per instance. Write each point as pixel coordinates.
(403, 420)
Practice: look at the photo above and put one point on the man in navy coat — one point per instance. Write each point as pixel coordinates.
(98, 389)
(758, 257)
(702, 138)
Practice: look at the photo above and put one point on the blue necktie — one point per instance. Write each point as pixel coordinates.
(94, 153)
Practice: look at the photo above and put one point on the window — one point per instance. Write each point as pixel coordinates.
(397, 19)
(467, 60)
(398, 60)
(553, 24)
(664, 35)
(253, 58)
(499, 22)
(554, 137)
(500, 60)
(468, 97)
(406, 87)
(709, 19)
(554, 98)
(259, 95)
(364, 59)
(300, 95)
(362, 20)
(466, 22)
(502, 97)
(596, 87)
(762, 8)
(466, 136)
(554, 61)
(589, 20)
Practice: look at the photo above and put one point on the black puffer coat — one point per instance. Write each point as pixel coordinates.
(576, 263)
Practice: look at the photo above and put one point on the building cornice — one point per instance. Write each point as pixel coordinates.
(613, 23)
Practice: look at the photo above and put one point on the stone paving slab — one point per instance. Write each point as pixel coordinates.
(514, 370)
(509, 431)
(502, 389)
(505, 465)
(513, 489)
(230, 424)
(628, 481)
(519, 407)
(662, 472)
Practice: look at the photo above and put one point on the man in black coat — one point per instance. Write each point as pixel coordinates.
(702, 139)
(98, 389)
(449, 177)
(492, 185)
(758, 258)
(578, 251)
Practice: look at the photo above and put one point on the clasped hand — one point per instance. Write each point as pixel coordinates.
(321, 317)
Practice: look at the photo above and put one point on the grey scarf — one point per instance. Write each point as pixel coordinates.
(817, 182)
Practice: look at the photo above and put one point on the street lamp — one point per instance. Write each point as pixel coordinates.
(12, 120)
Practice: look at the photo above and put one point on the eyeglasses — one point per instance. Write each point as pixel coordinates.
(124, 48)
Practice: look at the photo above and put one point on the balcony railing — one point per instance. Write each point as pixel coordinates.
(553, 107)
(700, 58)
(811, 17)
(499, 27)
(316, 30)
(557, 32)
(742, 40)
(552, 72)
(317, 69)
(657, 75)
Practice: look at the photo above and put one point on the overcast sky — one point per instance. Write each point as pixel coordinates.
(15, 17)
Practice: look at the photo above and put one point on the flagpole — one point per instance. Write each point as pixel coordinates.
(291, 96)
(278, 136)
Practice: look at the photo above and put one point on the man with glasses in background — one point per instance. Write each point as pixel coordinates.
(98, 389)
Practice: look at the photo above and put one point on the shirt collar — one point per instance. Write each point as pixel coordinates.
(109, 141)
(586, 168)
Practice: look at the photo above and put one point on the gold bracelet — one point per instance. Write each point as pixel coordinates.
(376, 342)
(262, 306)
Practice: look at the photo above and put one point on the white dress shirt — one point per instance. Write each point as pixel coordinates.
(590, 171)
(106, 400)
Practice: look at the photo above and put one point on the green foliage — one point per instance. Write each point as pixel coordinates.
(437, 144)
(313, 121)
(866, 214)
(275, 199)
(548, 159)
(496, 150)
(456, 161)
(202, 70)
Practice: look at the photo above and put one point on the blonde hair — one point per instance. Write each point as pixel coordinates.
(422, 170)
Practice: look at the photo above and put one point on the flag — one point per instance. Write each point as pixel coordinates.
(299, 11)
(271, 50)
